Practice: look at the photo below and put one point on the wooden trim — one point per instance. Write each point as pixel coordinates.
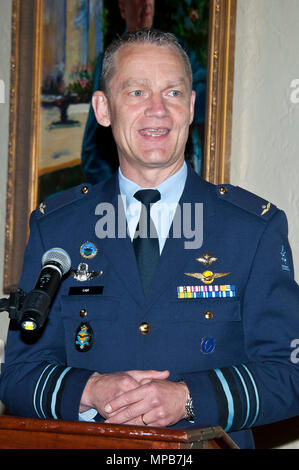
(218, 122)
(23, 140)
(29, 433)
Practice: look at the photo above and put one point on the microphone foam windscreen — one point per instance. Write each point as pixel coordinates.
(57, 255)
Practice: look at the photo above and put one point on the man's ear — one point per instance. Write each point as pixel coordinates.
(192, 105)
(101, 108)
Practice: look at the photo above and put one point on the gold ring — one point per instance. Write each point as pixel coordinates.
(143, 421)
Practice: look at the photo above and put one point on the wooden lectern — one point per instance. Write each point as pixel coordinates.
(27, 433)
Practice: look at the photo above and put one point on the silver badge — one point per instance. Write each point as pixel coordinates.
(82, 274)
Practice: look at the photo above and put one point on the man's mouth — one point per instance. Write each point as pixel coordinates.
(154, 132)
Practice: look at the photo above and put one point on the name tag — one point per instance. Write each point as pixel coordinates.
(91, 290)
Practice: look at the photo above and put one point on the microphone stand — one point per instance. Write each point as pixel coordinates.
(13, 305)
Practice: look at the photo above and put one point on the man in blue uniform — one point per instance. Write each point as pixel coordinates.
(192, 326)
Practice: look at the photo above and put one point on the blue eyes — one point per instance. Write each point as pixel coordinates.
(175, 93)
(137, 93)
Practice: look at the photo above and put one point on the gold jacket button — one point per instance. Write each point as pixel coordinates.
(144, 328)
(83, 312)
(208, 315)
(223, 190)
(84, 189)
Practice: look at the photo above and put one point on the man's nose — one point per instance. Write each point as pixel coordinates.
(156, 106)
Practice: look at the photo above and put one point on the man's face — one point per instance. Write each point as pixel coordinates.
(150, 106)
(138, 14)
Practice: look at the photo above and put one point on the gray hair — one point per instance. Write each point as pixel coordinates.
(144, 36)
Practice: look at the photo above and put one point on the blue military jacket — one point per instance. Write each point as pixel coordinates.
(233, 345)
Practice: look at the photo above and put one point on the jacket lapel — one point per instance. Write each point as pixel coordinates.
(119, 250)
(175, 255)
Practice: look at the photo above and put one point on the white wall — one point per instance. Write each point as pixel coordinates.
(265, 137)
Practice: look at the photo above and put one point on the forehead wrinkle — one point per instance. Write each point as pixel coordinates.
(132, 82)
(177, 82)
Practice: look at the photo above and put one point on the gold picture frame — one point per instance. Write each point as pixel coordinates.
(23, 151)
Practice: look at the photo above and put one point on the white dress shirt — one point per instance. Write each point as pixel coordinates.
(162, 212)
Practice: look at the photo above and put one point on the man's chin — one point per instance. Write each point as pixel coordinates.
(155, 161)
(158, 161)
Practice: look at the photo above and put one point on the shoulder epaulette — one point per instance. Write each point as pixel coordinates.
(246, 200)
(59, 200)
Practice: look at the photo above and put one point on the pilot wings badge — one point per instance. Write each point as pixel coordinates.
(82, 274)
(207, 276)
(206, 259)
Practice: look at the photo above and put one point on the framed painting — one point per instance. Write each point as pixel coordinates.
(55, 44)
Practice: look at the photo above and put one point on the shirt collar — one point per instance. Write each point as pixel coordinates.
(170, 189)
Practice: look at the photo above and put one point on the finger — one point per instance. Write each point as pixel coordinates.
(154, 417)
(145, 381)
(147, 419)
(124, 400)
(133, 422)
(138, 421)
(129, 415)
(130, 405)
(113, 413)
(149, 374)
(144, 420)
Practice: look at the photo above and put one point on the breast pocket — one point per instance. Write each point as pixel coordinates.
(96, 318)
(90, 307)
(210, 330)
(206, 311)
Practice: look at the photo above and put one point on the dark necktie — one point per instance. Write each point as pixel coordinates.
(146, 242)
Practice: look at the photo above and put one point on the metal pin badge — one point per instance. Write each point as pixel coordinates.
(207, 345)
(207, 276)
(206, 259)
(83, 337)
(82, 274)
(88, 250)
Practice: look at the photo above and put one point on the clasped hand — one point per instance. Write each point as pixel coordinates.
(127, 397)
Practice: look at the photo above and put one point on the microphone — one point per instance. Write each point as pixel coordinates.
(35, 308)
